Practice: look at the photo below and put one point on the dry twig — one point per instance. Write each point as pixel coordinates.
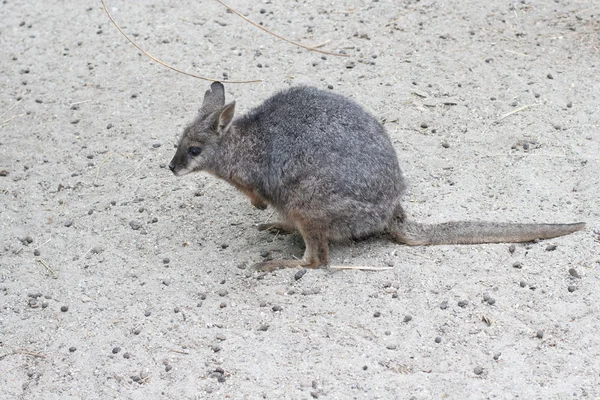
(161, 62)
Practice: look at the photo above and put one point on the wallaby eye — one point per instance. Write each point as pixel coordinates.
(194, 151)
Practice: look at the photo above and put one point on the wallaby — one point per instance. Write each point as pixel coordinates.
(328, 167)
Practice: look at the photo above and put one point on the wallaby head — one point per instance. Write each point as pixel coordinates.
(199, 143)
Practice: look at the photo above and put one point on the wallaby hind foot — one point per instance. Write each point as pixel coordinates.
(316, 253)
(282, 228)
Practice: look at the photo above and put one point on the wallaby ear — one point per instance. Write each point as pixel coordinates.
(225, 117)
(214, 98)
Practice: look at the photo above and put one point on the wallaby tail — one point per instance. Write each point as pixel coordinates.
(414, 233)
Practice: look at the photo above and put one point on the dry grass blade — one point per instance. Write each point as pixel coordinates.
(53, 272)
(309, 48)
(516, 111)
(161, 62)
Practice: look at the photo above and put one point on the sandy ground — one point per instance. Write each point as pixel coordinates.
(118, 280)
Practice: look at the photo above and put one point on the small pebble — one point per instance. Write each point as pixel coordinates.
(407, 318)
(277, 308)
(137, 331)
(350, 64)
(478, 370)
(166, 260)
(224, 245)
(377, 314)
(263, 327)
(115, 350)
(511, 248)
(517, 265)
(36, 252)
(202, 296)
(168, 368)
(523, 284)
(64, 308)
(176, 310)
(569, 104)
(391, 347)
(551, 247)
(299, 274)
(573, 272)
(135, 225)
(497, 356)
(223, 305)
(215, 348)
(147, 313)
(222, 292)
(166, 282)
(540, 334)
(72, 349)
(463, 303)
(572, 288)
(549, 76)
(126, 356)
(438, 339)
(424, 125)
(4, 173)
(45, 304)
(444, 305)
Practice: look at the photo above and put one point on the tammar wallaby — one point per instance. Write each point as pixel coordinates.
(328, 167)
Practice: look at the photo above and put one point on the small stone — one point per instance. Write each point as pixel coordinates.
(539, 334)
(115, 350)
(263, 327)
(176, 310)
(572, 288)
(444, 305)
(64, 308)
(222, 292)
(424, 125)
(223, 305)
(126, 356)
(166, 282)
(202, 295)
(350, 64)
(445, 145)
(299, 274)
(75, 121)
(4, 173)
(523, 284)
(377, 314)
(438, 339)
(276, 308)
(168, 368)
(512, 248)
(569, 104)
(137, 331)
(517, 265)
(72, 349)
(135, 225)
(497, 356)
(224, 245)
(573, 272)
(220, 337)
(147, 313)
(45, 304)
(491, 301)
(549, 76)
(36, 252)
(478, 370)
(391, 347)
(407, 318)
(551, 247)
(215, 348)
(463, 303)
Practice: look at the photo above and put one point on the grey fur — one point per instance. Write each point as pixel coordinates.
(327, 166)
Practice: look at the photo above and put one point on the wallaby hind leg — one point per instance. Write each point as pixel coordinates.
(316, 253)
(278, 227)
